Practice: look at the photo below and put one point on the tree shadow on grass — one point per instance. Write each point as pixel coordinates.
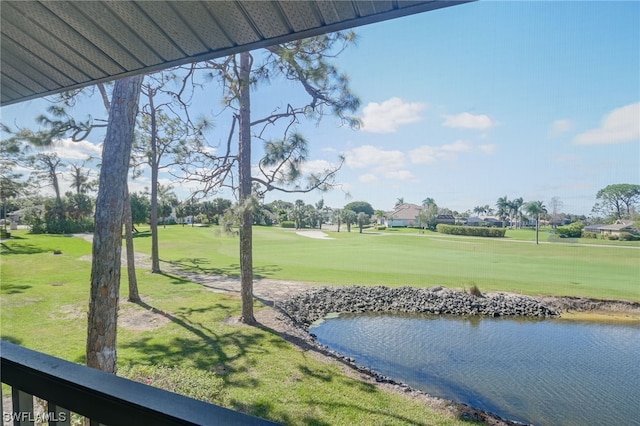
(198, 265)
(20, 248)
(201, 345)
(266, 409)
(11, 339)
(175, 279)
(7, 288)
(143, 234)
(390, 417)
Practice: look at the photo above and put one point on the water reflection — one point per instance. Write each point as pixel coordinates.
(546, 372)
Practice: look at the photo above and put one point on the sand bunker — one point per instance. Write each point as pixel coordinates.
(319, 235)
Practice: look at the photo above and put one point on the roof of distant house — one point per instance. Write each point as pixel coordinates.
(406, 211)
(618, 226)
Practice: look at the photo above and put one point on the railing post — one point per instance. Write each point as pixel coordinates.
(23, 414)
(61, 416)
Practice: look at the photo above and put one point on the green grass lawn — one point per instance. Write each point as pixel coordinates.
(44, 299)
(514, 264)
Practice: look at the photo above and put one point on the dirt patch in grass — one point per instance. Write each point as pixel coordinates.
(70, 312)
(23, 301)
(136, 318)
(142, 261)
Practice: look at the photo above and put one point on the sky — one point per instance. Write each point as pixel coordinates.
(465, 105)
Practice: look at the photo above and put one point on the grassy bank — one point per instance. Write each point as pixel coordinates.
(408, 258)
(44, 298)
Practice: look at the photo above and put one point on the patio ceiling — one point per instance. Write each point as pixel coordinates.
(53, 46)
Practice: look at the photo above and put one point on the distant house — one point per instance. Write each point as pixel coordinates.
(485, 221)
(17, 217)
(612, 229)
(448, 219)
(473, 221)
(404, 215)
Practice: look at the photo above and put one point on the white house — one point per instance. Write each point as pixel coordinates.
(613, 229)
(404, 215)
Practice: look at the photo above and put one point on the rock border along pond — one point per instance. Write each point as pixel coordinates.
(312, 305)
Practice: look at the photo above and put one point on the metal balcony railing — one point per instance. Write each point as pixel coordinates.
(104, 399)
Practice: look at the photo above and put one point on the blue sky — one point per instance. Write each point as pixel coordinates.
(474, 102)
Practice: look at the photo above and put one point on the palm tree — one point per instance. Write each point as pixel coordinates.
(319, 208)
(362, 219)
(536, 208)
(337, 217)
(517, 206)
(379, 216)
(327, 212)
(399, 201)
(479, 210)
(503, 207)
(297, 213)
(428, 202)
(349, 217)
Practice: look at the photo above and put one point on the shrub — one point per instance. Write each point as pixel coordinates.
(612, 237)
(192, 382)
(627, 236)
(287, 224)
(573, 230)
(381, 228)
(475, 291)
(593, 235)
(473, 231)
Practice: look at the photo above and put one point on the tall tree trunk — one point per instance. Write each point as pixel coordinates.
(155, 253)
(244, 152)
(537, 228)
(107, 238)
(134, 296)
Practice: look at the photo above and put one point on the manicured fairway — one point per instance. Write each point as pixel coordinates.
(403, 258)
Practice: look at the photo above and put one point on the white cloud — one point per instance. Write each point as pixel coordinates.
(561, 126)
(382, 163)
(138, 185)
(425, 154)
(70, 150)
(368, 178)
(467, 120)
(619, 126)
(428, 154)
(404, 175)
(317, 166)
(388, 116)
(371, 156)
(488, 148)
(457, 146)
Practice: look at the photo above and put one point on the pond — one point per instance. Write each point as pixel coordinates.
(545, 372)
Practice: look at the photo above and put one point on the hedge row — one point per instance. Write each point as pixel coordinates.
(573, 230)
(473, 231)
